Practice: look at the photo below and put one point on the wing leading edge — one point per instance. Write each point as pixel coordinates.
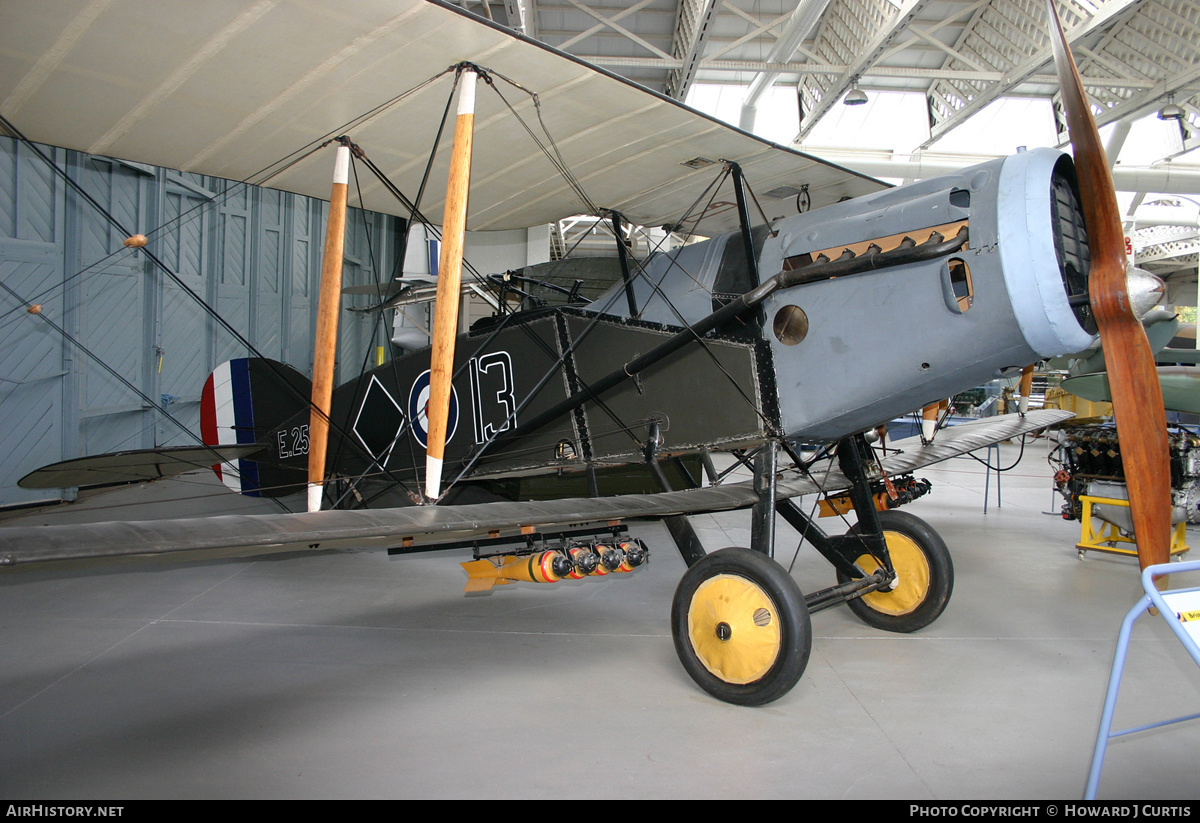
(245, 535)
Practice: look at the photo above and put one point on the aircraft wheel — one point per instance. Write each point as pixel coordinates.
(924, 576)
(741, 627)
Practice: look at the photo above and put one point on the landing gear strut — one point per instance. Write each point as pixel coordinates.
(741, 624)
(923, 581)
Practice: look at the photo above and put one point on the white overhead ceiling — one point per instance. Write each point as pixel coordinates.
(959, 55)
(956, 56)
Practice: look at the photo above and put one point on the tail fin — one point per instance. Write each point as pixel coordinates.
(245, 401)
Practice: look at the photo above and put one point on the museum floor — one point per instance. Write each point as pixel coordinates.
(356, 675)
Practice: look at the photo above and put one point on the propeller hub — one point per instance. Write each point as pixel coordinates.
(1145, 290)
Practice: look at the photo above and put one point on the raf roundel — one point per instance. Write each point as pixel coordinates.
(418, 409)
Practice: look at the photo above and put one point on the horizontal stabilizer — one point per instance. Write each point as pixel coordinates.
(136, 466)
(1180, 388)
(244, 535)
(380, 291)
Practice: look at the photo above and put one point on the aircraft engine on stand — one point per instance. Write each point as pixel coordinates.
(1091, 465)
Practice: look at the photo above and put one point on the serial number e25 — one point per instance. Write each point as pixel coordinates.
(292, 442)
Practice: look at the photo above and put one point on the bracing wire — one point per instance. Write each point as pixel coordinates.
(545, 143)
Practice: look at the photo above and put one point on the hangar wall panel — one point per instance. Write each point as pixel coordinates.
(32, 374)
(143, 344)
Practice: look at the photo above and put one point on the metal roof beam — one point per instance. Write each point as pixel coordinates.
(1182, 246)
(692, 28)
(1020, 72)
(1189, 129)
(928, 31)
(759, 30)
(804, 17)
(743, 66)
(522, 16)
(879, 44)
(611, 22)
(1149, 100)
(929, 38)
(1164, 179)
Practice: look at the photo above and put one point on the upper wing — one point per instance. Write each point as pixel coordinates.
(257, 534)
(228, 89)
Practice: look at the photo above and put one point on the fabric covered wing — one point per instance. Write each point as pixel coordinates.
(228, 89)
(259, 534)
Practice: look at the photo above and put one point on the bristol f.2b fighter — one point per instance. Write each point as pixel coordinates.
(533, 436)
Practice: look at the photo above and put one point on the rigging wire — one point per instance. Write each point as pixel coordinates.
(93, 268)
(162, 267)
(470, 461)
(414, 211)
(361, 388)
(264, 175)
(548, 146)
(414, 205)
(558, 162)
(145, 399)
(556, 159)
(272, 170)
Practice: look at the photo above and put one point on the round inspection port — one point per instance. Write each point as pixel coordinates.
(790, 325)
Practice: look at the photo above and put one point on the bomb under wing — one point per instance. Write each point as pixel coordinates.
(553, 565)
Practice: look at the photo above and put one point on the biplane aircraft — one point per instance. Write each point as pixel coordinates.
(784, 344)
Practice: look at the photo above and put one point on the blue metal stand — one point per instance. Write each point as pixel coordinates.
(987, 478)
(1178, 607)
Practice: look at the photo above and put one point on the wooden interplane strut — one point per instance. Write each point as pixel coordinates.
(445, 322)
(325, 340)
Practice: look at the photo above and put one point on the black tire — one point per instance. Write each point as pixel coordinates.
(925, 576)
(741, 627)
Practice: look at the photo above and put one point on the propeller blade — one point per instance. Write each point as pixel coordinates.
(1136, 395)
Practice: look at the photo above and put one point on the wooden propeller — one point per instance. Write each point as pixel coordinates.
(1136, 394)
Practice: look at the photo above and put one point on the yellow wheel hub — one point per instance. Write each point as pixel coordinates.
(734, 628)
(912, 577)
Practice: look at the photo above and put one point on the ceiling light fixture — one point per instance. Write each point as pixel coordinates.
(856, 96)
(1170, 111)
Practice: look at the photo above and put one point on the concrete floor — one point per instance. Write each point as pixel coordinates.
(356, 675)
